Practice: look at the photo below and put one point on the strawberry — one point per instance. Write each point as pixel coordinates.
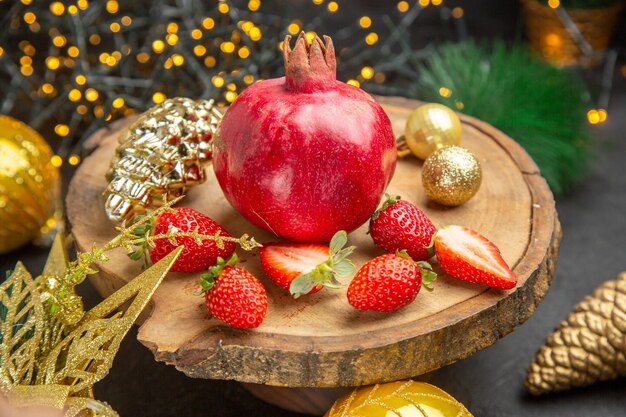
(389, 282)
(305, 268)
(399, 225)
(234, 295)
(467, 255)
(199, 254)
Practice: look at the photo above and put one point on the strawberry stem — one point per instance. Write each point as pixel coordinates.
(389, 200)
(207, 281)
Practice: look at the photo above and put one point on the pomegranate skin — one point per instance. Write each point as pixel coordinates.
(305, 156)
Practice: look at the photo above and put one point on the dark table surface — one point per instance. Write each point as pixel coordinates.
(490, 383)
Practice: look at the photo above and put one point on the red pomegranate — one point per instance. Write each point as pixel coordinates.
(305, 155)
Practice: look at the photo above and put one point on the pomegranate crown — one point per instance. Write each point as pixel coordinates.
(309, 68)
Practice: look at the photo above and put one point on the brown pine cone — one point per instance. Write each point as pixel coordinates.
(587, 347)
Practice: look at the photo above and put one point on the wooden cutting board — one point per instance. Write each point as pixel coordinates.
(320, 340)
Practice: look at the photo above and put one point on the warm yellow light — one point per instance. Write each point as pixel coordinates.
(246, 26)
(28, 50)
(143, 57)
(80, 79)
(436, 2)
(158, 46)
(602, 115)
(231, 87)
(227, 47)
(27, 70)
(127, 20)
(30, 18)
(98, 111)
(26, 60)
(310, 36)
(371, 38)
(367, 72)
(112, 6)
(74, 94)
(57, 8)
(111, 61)
(178, 59)
(230, 96)
(172, 27)
(118, 103)
(424, 3)
(255, 33)
(593, 116)
(26, 2)
(73, 51)
(196, 34)
(208, 23)
(74, 159)
(248, 79)
(56, 161)
(168, 64)
(553, 40)
(91, 94)
(459, 105)
(218, 81)
(365, 22)
(82, 4)
(172, 39)
(554, 3)
(94, 39)
(72, 9)
(209, 61)
(243, 52)
(62, 129)
(445, 92)
(115, 27)
(47, 88)
(199, 50)
(333, 6)
(254, 5)
(81, 109)
(293, 28)
(53, 63)
(158, 97)
(59, 41)
(103, 57)
(1, 51)
(457, 12)
(403, 6)
(223, 8)
(318, 2)
(354, 83)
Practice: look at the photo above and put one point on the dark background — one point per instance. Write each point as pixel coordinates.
(490, 383)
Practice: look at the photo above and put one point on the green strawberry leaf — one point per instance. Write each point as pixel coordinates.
(301, 285)
(344, 268)
(428, 275)
(338, 241)
(343, 254)
(333, 283)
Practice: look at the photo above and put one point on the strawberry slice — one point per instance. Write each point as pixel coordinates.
(305, 268)
(469, 256)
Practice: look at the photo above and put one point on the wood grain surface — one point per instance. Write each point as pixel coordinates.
(320, 340)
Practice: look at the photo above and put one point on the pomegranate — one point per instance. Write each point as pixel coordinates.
(305, 155)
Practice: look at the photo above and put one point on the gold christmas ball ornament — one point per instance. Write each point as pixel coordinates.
(161, 156)
(451, 176)
(402, 398)
(29, 185)
(431, 127)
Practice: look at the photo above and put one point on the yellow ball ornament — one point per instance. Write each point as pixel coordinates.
(451, 176)
(402, 398)
(430, 127)
(29, 184)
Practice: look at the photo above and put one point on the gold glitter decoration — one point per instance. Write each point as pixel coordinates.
(44, 362)
(29, 185)
(402, 398)
(161, 156)
(451, 176)
(430, 127)
(588, 346)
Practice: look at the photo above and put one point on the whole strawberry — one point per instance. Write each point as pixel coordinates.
(467, 255)
(306, 268)
(234, 295)
(199, 254)
(389, 282)
(399, 225)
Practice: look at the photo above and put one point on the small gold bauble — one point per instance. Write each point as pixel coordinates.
(451, 176)
(430, 127)
(29, 184)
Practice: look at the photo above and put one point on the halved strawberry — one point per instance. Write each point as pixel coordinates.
(305, 268)
(469, 256)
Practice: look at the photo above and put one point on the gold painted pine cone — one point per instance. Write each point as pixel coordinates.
(588, 346)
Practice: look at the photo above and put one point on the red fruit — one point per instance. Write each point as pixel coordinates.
(305, 155)
(195, 257)
(234, 295)
(399, 225)
(467, 255)
(305, 268)
(388, 282)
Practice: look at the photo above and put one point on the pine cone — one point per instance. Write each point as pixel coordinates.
(587, 347)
